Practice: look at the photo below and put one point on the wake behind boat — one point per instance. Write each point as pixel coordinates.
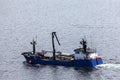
(82, 57)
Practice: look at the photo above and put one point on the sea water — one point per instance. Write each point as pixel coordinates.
(96, 21)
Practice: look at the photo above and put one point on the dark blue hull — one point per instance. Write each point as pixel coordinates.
(74, 63)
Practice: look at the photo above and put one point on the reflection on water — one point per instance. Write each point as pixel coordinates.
(64, 73)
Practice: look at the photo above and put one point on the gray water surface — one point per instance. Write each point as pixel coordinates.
(22, 20)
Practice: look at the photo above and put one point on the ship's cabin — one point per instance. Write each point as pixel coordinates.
(89, 54)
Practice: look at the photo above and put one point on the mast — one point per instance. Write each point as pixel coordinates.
(84, 44)
(34, 48)
(53, 43)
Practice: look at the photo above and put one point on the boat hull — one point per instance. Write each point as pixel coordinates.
(74, 63)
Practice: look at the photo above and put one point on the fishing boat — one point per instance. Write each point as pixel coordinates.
(82, 57)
